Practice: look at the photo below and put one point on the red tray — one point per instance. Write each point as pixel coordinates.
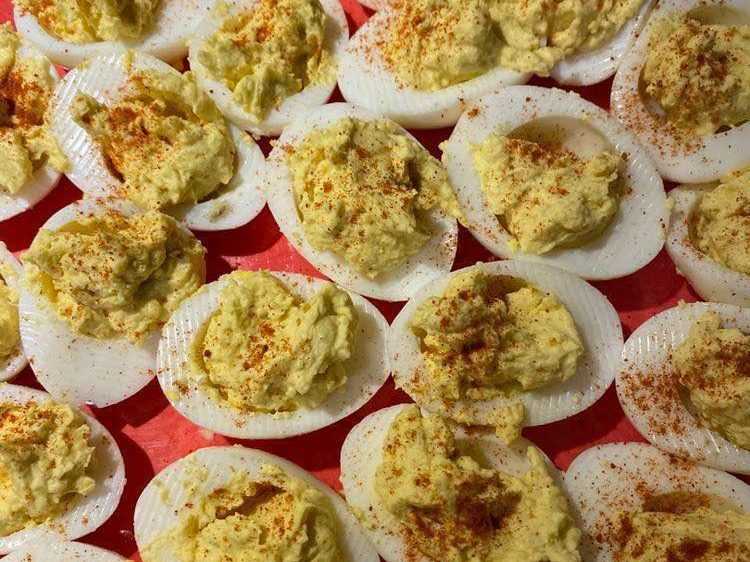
(151, 434)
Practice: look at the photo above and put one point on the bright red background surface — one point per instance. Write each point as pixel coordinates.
(151, 434)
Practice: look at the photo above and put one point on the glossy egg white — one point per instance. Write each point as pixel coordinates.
(435, 259)
(591, 67)
(594, 316)
(365, 80)
(710, 279)
(45, 178)
(362, 454)
(175, 23)
(649, 396)
(78, 368)
(607, 479)
(367, 369)
(637, 231)
(90, 512)
(165, 498)
(12, 273)
(103, 78)
(704, 159)
(294, 107)
(62, 552)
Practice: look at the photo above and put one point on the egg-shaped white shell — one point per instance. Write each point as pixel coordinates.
(365, 80)
(435, 259)
(74, 367)
(594, 316)
(362, 454)
(62, 552)
(710, 279)
(294, 107)
(702, 159)
(637, 231)
(104, 78)
(607, 479)
(648, 392)
(91, 511)
(12, 273)
(175, 23)
(45, 178)
(590, 67)
(367, 369)
(164, 500)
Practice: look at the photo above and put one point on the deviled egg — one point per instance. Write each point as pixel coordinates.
(506, 344)
(544, 175)
(683, 382)
(228, 503)
(31, 159)
(62, 472)
(363, 201)
(134, 127)
(682, 89)
(62, 552)
(268, 62)
(709, 237)
(635, 502)
(429, 491)
(268, 355)
(101, 278)
(12, 358)
(69, 32)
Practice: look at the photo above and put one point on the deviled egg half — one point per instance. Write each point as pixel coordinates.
(31, 159)
(134, 127)
(682, 89)
(267, 355)
(268, 62)
(223, 503)
(69, 32)
(683, 382)
(546, 176)
(12, 358)
(506, 344)
(635, 502)
(709, 237)
(62, 552)
(418, 61)
(363, 201)
(101, 278)
(62, 472)
(427, 490)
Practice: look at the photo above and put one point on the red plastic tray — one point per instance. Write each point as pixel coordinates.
(151, 434)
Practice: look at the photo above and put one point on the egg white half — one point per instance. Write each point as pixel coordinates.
(607, 479)
(365, 80)
(294, 107)
(163, 501)
(362, 454)
(705, 158)
(710, 279)
(660, 415)
(62, 552)
(637, 231)
(74, 367)
(590, 67)
(435, 259)
(367, 369)
(104, 79)
(45, 178)
(594, 316)
(175, 23)
(14, 271)
(91, 511)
